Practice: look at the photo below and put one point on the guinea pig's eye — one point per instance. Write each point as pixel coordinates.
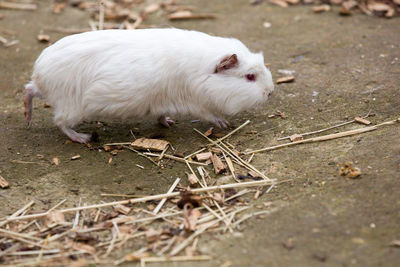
(251, 77)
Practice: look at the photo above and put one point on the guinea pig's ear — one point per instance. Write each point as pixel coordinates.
(227, 63)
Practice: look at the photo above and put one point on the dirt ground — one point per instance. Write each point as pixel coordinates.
(345, 67)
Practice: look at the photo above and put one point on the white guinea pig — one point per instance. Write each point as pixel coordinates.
(130, 74)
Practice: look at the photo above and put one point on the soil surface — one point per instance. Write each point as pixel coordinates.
(345, 67)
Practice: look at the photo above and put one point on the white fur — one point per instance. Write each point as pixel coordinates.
(125, 74)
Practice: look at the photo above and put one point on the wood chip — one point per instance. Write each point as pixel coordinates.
(55, 161)
(59, 6)
(296, 137)
(321, 8)
(192, 179)
(17, 6)
(44, 38)
(344, 11)
(362, 120)
(287, 79)
(54, 217)
(122, 209)
(254, 174)
(76, 157)
(152, 235)
(203, 156)
(209, 132)
(151, 144)
(186, 14)
(3, 182)
(395, 243)
(280, 3)
(216, 150)
(219, 167)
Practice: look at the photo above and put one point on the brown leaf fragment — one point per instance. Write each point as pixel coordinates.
(136, 256)
(152, 235)
(349, 4)
(256, 2)
(362, 120)
(219, 135)
(54, 217)
(192, 179)
(75, 157)
(122, 209)
(3, 182)
(344, 11)
(280, 3)
(296, 137)
(286, 79)
(151, 144)
(395, 243)
(191, 217)
(107, 148)
(216, 150)
(219, 167)
(292, 2)
(203, 156)
(188, 197)
(44, 38)
(321, 8)
(349, 170)
(209, 132)
(186, 14)
(254, 174)
(59, 6)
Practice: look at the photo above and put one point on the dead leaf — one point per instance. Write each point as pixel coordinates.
(209, 132)
(59, 6)
(349, 170)
(287, 79)
(54, 217)
(152, 235)
(191, 217)
(219, 167)
(203, 156)
(3, 182)
(188, 197)
(151, 144)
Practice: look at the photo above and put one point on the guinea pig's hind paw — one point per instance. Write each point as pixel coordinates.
(74, 136)
(165, 121)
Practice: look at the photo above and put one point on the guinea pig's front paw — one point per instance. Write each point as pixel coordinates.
(165, 121)
(220, 122)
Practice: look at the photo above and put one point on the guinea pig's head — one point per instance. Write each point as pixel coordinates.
(239, 82)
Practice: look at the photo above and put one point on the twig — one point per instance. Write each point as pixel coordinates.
(159, 206)
(324, 130)
(121, 195)
(174, 158)
(101, 15)
(140, 154)
(76, 221)
(17, 6)
(18, 212)
(248, 216)
(326, 137)
(149, 198)
(234, 131)
(230, 152)
(177, 258)
(34, 252)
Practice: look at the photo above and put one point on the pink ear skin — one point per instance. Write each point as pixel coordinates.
(227, 63)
